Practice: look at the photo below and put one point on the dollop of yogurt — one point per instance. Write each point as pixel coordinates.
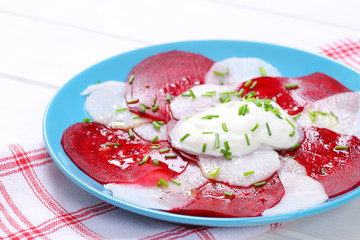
(236, 128)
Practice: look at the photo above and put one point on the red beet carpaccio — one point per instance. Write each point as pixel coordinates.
(165, 139)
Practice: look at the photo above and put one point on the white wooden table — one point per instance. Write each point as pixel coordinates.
(45, 43)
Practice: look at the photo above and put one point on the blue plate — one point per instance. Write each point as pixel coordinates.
(67, 108)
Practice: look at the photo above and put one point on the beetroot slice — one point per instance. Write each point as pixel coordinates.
(161, 75)
(211, 201)
(337, 170)
(310, 89)
(112, 163)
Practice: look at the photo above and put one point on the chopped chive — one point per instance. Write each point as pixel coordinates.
(143, 108)
(241, 91)
(184, 137)
(219, 73)
(154, 139)
(110, 144)
(312, 115)
(211, 92)
(257, 102)
(154, 101)
(210, 116)
(155, 147)
(292, 134)
(323, 171)
(131, 134)
(295, 146)
(145, 159)
(296, 116)
(248, 83)
(321, 113)
(168, 98)
(226, 99)
(156, 125)
(255, 127)
(224, 127)
(221, 80)
(188, 117)
(207, 132)
(227, 147)
(341, 147)
(217, 140)
(244, 110)
(259, 184)
(154, 109)
(228, 194)
(333, 114)
(291, 86)
(121, 109)
(136, 117)
(86, 120)
(177, 183)
(241, 109)
(248, 173)
(162, 182)
(156, 162)
(250, 95)
(98, 81)
(164, 150)
(247, 139)
(207, 95)
(204, 147)
(146, 106)
(160, 122)
(227, 71)
(262, 71)
(186, 95)
(253, 85)
(192, 94)
(225, 152)
(133, 100)
(292, 125)
(215, 172)
(132, 77)
(268, 128)
(171, 156)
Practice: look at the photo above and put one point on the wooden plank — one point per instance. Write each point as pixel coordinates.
(22, 109)
(343, 14)
(54, 42)
(52, 53)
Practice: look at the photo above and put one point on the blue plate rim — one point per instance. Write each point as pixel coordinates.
(194, 220)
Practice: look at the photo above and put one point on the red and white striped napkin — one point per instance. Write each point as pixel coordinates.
(37, 201)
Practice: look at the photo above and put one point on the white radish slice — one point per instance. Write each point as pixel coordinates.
(147, 132)
(301, 191)
(164, 198)
(290, 165)
(105, 105)
(339, 113)
(243, 170)
(239, 70)
(184, 106)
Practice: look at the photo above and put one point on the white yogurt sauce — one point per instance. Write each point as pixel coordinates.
(223, 125)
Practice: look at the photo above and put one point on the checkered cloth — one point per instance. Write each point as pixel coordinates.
(38, 202)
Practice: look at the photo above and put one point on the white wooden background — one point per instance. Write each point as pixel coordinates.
(44, 43)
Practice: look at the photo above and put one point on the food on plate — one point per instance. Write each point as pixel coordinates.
(234, 138)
